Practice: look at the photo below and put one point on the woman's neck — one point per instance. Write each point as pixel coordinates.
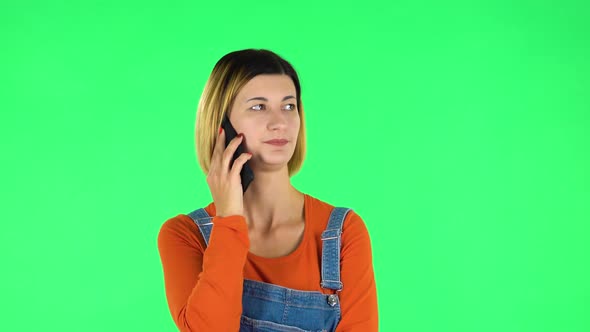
(271, 200)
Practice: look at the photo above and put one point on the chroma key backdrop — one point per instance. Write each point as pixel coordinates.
(458, 130)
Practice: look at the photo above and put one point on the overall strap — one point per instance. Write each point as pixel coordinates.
(331, 249)
(203, 221)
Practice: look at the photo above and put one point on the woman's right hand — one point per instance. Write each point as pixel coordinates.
(224, 183)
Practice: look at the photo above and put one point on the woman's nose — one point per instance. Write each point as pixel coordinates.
(277, 119)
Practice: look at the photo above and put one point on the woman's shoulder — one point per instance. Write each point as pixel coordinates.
(322, 210)
(182, 222)
(181, 229)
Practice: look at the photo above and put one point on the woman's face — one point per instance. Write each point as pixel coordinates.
(265, 109)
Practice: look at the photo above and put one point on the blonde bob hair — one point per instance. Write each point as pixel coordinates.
(228, 77)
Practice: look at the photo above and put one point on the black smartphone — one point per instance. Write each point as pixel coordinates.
(246, 173)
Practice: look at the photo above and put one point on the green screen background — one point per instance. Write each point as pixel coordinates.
(458, 131)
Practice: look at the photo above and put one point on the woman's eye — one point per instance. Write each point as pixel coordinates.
(261, 106)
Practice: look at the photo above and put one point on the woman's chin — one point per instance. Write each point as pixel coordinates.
(269, 162)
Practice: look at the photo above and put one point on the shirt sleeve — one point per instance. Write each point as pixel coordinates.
(358, 298)
(204, 285)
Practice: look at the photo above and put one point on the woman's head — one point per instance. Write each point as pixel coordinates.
(260, 93)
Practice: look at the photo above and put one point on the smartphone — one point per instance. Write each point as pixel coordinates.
(246, 173)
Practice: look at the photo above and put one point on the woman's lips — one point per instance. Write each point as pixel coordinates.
(278, 142)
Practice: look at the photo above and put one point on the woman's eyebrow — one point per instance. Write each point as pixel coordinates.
(264, 99)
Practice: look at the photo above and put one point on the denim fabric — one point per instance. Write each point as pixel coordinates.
(273, 308)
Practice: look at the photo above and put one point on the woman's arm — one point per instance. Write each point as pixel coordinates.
(358, 298)
(204, 287)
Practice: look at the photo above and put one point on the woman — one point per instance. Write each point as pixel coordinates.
(271, 258)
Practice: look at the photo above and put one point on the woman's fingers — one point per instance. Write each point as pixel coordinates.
(225, 183)
(239, 163)
(230, 151)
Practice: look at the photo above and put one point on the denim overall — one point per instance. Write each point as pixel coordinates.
(272, 308)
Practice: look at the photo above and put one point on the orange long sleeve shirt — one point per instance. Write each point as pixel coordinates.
(204, 284)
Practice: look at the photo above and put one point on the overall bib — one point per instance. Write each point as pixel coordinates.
(273, 308)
